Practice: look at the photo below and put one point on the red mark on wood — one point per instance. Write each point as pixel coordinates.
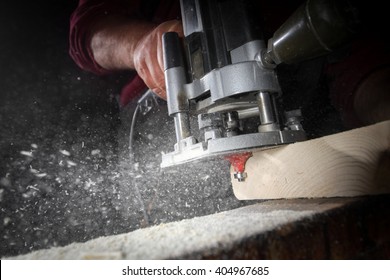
(238, 161)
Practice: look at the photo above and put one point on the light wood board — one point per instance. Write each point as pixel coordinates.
(351, 163)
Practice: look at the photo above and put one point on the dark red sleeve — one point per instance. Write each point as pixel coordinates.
(81, 20)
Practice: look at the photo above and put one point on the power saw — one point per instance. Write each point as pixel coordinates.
(224, 74)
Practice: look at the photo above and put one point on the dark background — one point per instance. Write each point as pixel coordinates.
(64, 171)
(48, 105)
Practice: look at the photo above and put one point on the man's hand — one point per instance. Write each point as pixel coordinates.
(120, 44)
(148, 56)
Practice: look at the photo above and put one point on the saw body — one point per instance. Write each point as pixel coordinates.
(225, 76)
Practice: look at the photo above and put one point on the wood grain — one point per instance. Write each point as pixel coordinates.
(351, 163)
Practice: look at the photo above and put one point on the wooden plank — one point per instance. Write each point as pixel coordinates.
(352, 163)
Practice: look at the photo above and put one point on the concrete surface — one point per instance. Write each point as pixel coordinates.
(264, 230)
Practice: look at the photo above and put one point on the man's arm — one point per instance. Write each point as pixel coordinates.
(114, 41)
(119, 43)
(105, 37)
